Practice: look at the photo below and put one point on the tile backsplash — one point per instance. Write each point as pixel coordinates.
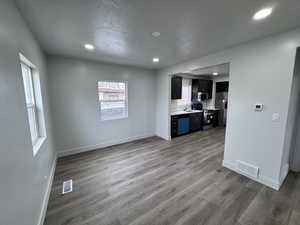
(178, 105)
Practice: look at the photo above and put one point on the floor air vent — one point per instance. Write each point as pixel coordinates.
(247, 169)
(67, 186)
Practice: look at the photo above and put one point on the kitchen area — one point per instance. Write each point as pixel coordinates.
(199, 99)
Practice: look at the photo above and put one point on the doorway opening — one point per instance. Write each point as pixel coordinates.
(199, 99)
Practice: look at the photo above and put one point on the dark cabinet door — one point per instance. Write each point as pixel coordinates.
(222, 86)
(174, 125)
(203, 86)
(215, 120)
(195, 89)
(176, 87)
(209, 88)
(195, 121)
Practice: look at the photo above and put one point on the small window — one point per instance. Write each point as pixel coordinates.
(113, 100)
(34, 104)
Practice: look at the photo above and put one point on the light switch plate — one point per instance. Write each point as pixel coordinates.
(275, 117)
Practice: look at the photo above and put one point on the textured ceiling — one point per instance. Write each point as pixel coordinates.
(121, 29)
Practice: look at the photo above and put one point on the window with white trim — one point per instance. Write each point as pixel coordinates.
(113, 99)
(186, 93)
(34, 104)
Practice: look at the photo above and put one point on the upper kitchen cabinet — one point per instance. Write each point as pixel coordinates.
(205, 87)
(176, 87)
(222, 86)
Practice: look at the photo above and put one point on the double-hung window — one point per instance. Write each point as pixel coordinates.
(186, 90)
(186, 93)
(30, 102)
(113, 99)
(34, 105)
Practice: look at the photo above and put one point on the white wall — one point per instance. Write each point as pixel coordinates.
(24, 178)
(163, 103)
(260, 72)
(75, 106)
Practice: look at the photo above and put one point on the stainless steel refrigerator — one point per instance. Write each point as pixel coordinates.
(221, 103)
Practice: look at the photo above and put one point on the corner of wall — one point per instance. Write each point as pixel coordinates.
(270, 182)
(86, 148)
(283, 173)
(47, 192)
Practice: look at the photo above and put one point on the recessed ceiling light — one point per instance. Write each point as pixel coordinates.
(155, 60)
(89, 47)
(262, 14)
(155, 34)
(215, 74)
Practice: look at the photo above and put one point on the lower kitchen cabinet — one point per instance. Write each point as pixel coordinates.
(174, 125)
(186, 123)
(216, 118)
(196, 121)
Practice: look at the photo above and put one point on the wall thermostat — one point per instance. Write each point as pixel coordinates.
(258, 107)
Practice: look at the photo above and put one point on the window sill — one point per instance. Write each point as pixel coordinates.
(114, 118)
(37, 146)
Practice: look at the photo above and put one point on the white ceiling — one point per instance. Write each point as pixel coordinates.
(121, 29)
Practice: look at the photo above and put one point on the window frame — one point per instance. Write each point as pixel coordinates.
(188, 89)
(36, 105)
(125, 101)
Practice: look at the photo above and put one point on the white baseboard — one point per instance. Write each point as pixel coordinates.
(87, 148)
(261, 179)
(47, 193)
(166, 137)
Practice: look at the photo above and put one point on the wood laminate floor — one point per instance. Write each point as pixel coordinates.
(156, 182)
